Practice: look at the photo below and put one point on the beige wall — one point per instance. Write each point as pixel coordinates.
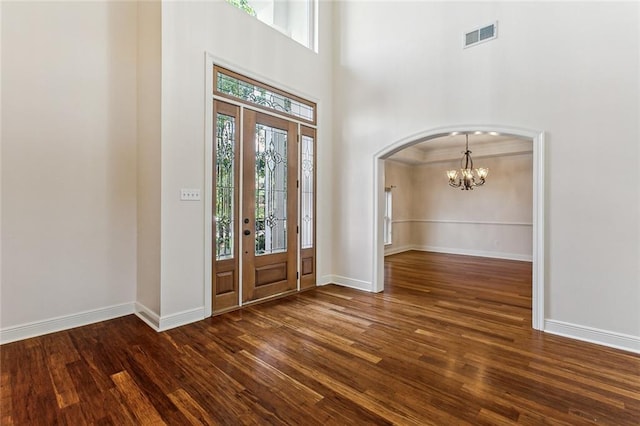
(494, 220)
(68, 158)
(149, 80)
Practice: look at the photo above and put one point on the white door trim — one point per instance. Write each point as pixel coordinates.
(538, 253)
(208, 182)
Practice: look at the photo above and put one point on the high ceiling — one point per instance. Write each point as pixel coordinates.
(459, 141)
(451, 146)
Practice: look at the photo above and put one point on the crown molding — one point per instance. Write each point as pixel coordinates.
(499, 148)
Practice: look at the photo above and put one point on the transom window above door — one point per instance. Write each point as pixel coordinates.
(232, 85)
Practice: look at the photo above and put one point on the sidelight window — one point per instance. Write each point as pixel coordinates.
(307, 193)
(224, 203)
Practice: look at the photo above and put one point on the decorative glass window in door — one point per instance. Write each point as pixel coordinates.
(271, 190)
(306, 231)
(225, 155)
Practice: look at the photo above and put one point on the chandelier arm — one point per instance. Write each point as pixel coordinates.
(480, 183)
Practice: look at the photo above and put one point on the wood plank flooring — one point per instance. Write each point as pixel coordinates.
(448, 343)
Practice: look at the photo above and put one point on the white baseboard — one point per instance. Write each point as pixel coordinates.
(345, 282)
(148, 316)
(479, 253)
(593, 335)
(396, 250)
(52, 325)
(324, 280)
(168, 322)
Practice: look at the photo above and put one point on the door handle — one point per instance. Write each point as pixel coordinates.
(247, 232)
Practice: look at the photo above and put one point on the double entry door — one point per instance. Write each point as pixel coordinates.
(255, 206)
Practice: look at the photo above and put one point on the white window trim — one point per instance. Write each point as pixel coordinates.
(388, 217)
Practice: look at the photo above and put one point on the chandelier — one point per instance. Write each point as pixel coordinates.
(468, 176)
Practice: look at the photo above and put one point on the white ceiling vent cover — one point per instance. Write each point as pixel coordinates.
(481, 35)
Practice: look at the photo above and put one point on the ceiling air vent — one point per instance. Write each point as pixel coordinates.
(480, 35)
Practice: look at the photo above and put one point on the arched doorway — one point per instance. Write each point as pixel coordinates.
(538, 214)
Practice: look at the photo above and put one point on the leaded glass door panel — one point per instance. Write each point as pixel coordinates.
(269, 240)
(226, 196)
(307, 208)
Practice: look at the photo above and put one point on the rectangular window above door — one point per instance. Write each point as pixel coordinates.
(235, 86)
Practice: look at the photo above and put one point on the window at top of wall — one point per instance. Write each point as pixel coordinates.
(293, 18)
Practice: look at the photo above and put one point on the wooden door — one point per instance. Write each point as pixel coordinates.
(270, 203)
(226, 158)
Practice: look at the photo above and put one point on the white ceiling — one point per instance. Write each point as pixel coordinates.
(451, 146)
(446, 142)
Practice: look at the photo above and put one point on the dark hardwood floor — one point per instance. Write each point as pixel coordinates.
(449, 342)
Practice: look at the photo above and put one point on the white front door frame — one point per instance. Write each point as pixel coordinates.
(538, 253)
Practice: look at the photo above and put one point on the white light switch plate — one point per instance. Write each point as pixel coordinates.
(189, 194)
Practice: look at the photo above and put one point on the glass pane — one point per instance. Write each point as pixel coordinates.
(306, 233)
(271, 190)
(261, 96)
(293, 18)
(388, 208)
(225, 190)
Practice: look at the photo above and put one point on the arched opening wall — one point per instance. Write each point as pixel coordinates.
(538, 213)
(390, 83)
